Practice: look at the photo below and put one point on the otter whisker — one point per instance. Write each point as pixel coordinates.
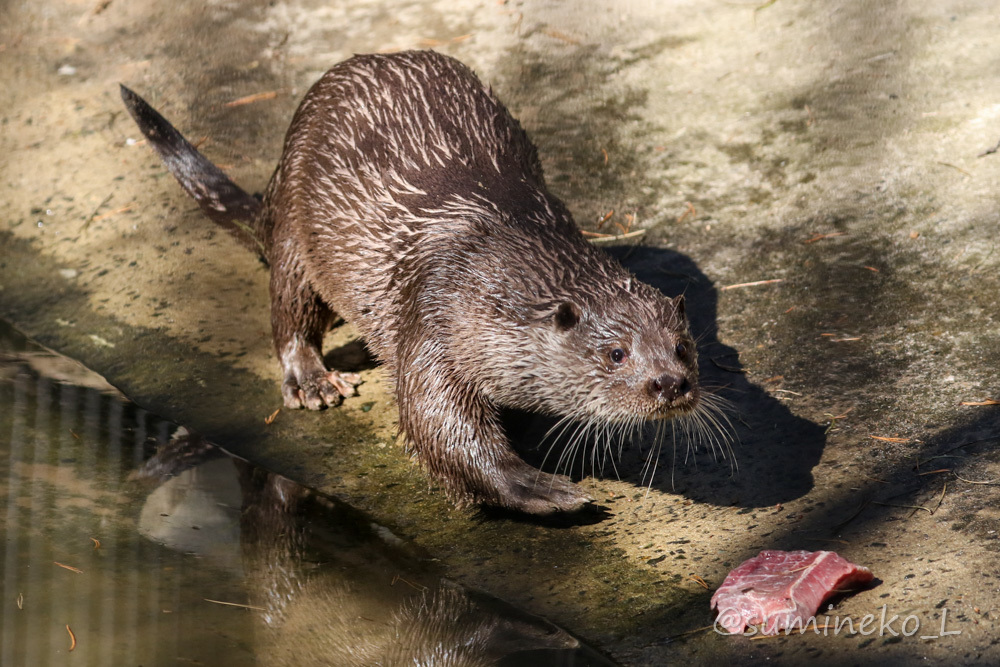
(566, 455)
(565, 423)
(713, 412)
(596, 443)
(608, 450)
(600, 444)
(656, 460)
(685, 425)
(654, 453)
(581, 446)
(580, 440)
(648, 465)
(709, 435)
(673, 463)
(562, 422)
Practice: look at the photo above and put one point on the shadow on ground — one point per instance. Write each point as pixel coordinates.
(734, 465)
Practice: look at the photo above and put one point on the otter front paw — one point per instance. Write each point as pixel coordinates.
(316, 389)
(528, 490)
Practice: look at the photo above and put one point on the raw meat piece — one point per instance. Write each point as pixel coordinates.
(783, 588)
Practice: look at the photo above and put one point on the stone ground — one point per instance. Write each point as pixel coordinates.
(842, 149)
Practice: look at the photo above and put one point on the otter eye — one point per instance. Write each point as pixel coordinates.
(680, 349)
(618, 355)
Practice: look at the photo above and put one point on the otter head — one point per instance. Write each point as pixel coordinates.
(639, 360)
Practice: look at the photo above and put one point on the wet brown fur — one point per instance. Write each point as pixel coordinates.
(409, 202)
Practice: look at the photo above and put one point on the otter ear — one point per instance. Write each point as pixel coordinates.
(566, 316)
(561, 316)
(678, 302)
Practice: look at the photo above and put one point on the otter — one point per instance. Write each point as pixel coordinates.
(410, 202)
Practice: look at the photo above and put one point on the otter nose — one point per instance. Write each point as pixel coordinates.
(668, 387)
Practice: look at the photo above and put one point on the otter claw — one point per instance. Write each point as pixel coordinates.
(318, 389)
(345, 383)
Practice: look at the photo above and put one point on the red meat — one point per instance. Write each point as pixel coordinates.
(782, 589)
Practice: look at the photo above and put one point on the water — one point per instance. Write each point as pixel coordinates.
(128, 540)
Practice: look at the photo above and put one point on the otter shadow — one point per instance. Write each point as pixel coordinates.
(771, 454)
(352, 356)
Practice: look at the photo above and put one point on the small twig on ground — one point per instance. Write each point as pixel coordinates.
(820, 237)
(235, 604)
(944, 490)
(690, 632)
(552, 32)
(412, 585)
(123, 209)
(595, 237)
(885, 439)
(762, 7)
(627, 227)
(93, 215)
(689, 212)
(906, 507)
(990, 151)
(249, 99)
(728, 369)
(861, 508)
(951, 449)
(821, 539)
(874, 479)
(69, 567)
(431, 43)
(949, 164)
(753, 284)
(988, 482)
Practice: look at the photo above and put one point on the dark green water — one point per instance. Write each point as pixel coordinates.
(67, 451)
(129, 541)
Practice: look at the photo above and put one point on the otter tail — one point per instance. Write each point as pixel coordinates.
(219, 198)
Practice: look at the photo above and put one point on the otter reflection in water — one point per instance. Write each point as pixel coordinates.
(329, 586)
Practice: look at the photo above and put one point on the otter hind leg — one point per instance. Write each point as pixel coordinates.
(299, 318)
